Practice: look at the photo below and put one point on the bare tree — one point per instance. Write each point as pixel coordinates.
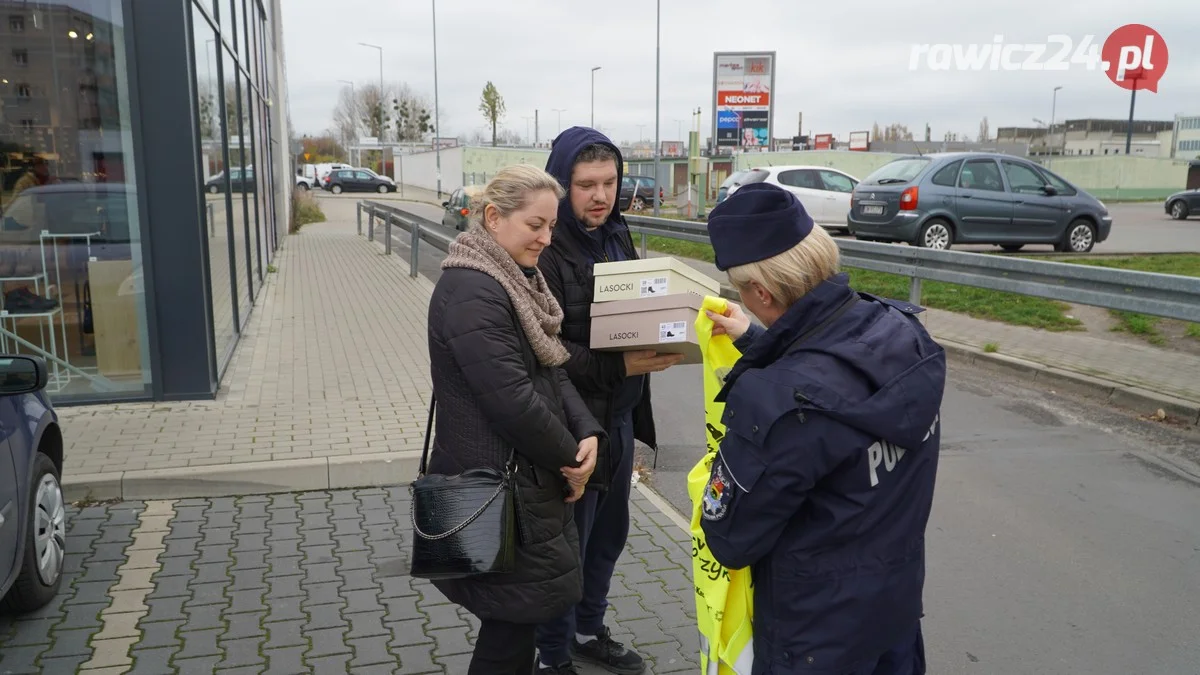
(984, 131)
(894, 132)
(400, 115)
(491, 104)
(347, 115)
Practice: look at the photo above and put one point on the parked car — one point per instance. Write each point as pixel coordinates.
(938, 200)
(732, 182)
(358, 180)
(824, 192)
(303, 182)
(322, 171)
(1183, 204)
(32, 507)
(240, 180)
(458, 207)
(637, 193)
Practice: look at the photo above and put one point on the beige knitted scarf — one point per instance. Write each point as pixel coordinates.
(538, 311)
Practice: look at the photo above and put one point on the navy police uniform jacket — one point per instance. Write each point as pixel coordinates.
(824, 481)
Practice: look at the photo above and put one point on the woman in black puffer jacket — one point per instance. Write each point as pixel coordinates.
(494, 357)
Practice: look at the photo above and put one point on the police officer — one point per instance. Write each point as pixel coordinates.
(824, 480)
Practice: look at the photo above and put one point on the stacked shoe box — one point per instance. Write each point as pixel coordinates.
(649, 304)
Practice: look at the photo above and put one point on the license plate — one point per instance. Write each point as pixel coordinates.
(872, 210)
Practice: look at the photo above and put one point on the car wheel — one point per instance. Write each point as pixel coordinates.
(937, 235)
(1080, 237)
(212, 189)
(639, 204)
(1012, 248)
(303, 186)
(336, 189)
(383, 189)
(1179, 210)
(45, 541)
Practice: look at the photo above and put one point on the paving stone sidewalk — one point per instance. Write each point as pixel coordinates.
(333, 363)
(296, 584)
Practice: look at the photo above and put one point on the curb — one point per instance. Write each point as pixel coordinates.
(1121, 395)
(247, 478)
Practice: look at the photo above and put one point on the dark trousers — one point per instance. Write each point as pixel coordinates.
(503, 648)
(603, 522)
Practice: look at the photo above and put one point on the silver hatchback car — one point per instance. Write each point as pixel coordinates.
(937, 200)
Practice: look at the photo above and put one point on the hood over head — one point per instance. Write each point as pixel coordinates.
(563, 152)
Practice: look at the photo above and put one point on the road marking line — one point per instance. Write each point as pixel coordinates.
(665, 508)
(110, 647)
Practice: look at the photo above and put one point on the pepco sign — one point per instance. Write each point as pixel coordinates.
(741, 98)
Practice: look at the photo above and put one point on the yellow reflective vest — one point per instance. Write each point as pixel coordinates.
(724, 598)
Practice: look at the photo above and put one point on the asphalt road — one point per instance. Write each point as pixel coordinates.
(1052, 548)
(1059, 543)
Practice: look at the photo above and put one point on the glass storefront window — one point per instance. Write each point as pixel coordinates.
(241, 178)
(251, 192)
(206, 50)
(71, 284)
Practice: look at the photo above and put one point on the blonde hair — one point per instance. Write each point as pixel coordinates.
(792, 274)
(510, 189)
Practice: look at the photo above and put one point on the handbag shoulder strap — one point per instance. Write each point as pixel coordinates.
(428, 434)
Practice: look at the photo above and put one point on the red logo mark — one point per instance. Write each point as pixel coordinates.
(1135, 57)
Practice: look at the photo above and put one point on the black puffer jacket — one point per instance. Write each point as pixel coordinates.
(493, 395)
(567, 267)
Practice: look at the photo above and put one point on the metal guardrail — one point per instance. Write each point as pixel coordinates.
(1165, 295)
(419, 229)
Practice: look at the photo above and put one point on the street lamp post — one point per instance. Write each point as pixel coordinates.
(1053, 107)
(594, 96)
(437, 124)
(381, 107)
(560, 111)
(657, 89)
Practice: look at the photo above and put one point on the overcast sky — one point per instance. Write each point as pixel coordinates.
(845, 66)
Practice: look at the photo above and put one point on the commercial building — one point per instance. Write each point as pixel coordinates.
(1186, 138)
(144, 184)
(1090, 137)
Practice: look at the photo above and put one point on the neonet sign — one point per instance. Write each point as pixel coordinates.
(735, 98)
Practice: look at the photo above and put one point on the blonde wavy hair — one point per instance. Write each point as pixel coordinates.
(792, 274)
(510, 189)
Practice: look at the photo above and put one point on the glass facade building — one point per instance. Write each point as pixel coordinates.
(144, 183)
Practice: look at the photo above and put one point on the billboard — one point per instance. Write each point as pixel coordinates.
(671, 149)
(743, 85)
(823, 142)
(860, 140)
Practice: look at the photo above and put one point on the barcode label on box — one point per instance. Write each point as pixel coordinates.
(654, 286)
(674, 331)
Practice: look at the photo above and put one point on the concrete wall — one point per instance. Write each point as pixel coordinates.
(1124, 177)
(857, 164)
(420, 169)
(481, 163)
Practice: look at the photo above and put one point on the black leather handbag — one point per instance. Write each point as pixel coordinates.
(463, 525)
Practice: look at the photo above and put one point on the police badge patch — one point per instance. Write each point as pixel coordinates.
(717, 494)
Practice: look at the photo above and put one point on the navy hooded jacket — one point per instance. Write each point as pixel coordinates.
(567, 265)
(825, 476)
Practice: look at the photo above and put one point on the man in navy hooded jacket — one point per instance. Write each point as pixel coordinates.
(615, 387)
(824, 480)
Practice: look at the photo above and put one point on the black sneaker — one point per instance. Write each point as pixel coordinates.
(609, 654)
(565, 669)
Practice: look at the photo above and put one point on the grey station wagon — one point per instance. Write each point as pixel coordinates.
(937, 200)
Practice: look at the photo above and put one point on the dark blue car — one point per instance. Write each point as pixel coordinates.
(32, 509)
(937, 200)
